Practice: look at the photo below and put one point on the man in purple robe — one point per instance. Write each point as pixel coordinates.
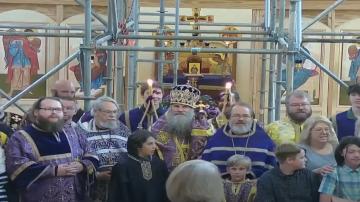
(47, 161)
(180, 137)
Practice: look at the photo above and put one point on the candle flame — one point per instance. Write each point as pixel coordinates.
(228, 85)
(150, 82)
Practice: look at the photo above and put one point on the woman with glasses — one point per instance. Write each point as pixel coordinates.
(319, 140)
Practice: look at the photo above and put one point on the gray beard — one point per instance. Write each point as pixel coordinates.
(237, 130)
(109, 124)
(179, 125)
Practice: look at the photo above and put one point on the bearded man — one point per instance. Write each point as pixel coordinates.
(298, 110)
(241, 135)
(47, 162)
(107, 137)
(180, 137)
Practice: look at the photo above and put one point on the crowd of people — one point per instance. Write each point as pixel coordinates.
(155, 154)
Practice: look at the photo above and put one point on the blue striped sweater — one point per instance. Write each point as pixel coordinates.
(257, 145)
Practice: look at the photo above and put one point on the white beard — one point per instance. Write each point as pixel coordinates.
(245, 128)
(179, 125)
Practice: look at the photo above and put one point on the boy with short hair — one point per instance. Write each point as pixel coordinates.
(238, 188)
(290, 181)
(344, 182)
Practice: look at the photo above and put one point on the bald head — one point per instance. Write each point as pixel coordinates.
(353, 52)
(63, 88)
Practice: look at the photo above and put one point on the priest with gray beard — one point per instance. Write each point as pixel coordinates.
(180, 137)
(47, 162)
(107, 137)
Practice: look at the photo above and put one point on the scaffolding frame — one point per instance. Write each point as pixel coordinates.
(279, 45)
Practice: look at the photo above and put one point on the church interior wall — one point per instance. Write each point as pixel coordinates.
(248, 66)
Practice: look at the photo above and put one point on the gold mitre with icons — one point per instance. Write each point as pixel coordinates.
(184, 94)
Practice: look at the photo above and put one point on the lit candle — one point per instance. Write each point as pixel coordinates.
(228, 87)
(150, 84)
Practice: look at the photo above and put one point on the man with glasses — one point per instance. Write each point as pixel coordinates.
(107, 137)
(241, 135)
(298, 110)
(45, 161)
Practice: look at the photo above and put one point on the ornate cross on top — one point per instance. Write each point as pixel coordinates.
(196, 17)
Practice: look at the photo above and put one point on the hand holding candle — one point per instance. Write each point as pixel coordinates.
(150, 84)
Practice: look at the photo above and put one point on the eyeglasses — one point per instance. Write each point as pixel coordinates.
(52, 109)
(110, 112)
(244, 116)
(299, 105)
(321, 129)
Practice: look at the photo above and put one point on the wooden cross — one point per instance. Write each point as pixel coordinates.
(196, 17)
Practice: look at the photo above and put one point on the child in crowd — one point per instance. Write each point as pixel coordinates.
(238, 188)
(290, 181)
(343, 183)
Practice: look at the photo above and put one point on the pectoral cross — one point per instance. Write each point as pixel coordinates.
(196, 17)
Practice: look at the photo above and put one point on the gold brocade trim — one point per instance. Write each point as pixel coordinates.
(181, 152)
(235, 188)
(53, 157)
(163, 137)
(202, 132)
(37, 177)
(145, 167)
(146, 170)
(31, 142)
(20, 169)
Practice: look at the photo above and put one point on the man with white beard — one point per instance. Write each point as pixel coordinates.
(180, 137)
(107, 137)
(241, 135)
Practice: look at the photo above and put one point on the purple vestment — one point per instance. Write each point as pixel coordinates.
(32, 156)
(174, 152)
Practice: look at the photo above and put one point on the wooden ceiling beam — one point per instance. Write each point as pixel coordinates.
(238, 4)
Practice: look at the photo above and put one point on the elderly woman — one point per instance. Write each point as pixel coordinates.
(319, 141)
(194, 181)
(142, 176)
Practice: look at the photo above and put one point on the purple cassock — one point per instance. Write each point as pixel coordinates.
(174, 150)
(32, 156)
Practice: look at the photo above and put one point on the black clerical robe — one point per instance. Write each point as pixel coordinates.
(130, 182)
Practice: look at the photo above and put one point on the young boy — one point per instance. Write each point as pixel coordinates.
(290, 181)
(238, 188)
(344, 181)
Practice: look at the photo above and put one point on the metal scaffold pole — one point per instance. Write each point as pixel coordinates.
(280, 59)
(119, 93)
(176, 56)
(267, 19)
(87, 56)
(161, 32)
(324, 13)
(112, 31)
(271, 100)
(132, 70)
(292, 47)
